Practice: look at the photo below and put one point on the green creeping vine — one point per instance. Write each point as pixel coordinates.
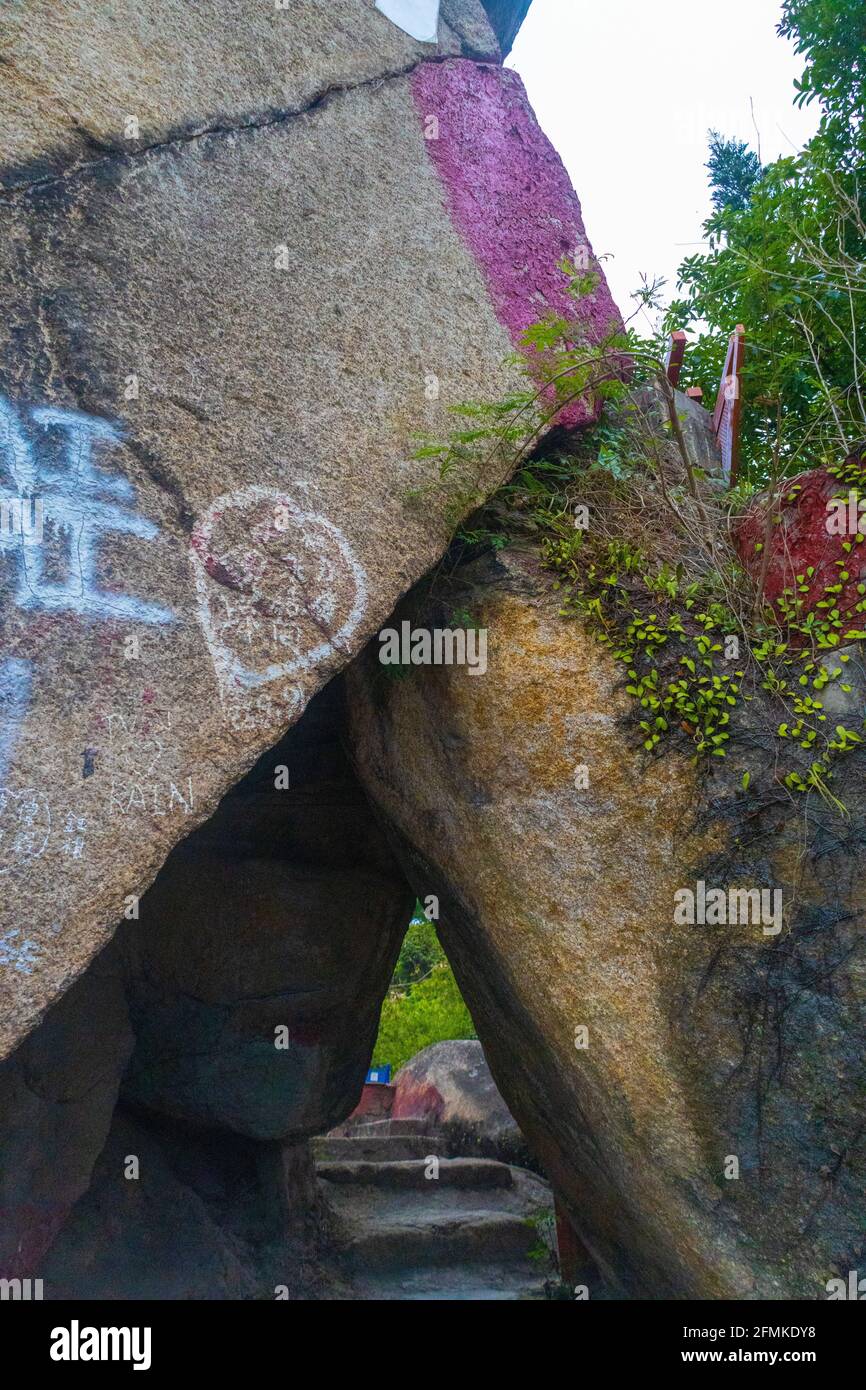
(666, 634)
(680, 645)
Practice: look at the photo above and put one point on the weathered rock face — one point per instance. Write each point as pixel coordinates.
(211, 1217)
(57, 1096)
(83, 81)
(241, 267)
(245, 259)
(637, 1055)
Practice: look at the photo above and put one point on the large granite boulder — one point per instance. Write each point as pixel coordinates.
(153, 1124)
(693, 1091)
(245, 258)
(448, 1086)
(170, 1216)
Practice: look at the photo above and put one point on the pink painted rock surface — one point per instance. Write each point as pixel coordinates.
(511, 198)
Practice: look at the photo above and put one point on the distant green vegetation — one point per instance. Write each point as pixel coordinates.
(424, 1004)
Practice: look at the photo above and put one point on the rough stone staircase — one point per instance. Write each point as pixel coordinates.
(479, 1230)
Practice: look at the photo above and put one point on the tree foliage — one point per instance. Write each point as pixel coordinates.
(734, 170)
(787, 258)
(424, 1004)
(831, 35)
(419, 953)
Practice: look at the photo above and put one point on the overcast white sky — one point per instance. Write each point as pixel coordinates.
(627, 89)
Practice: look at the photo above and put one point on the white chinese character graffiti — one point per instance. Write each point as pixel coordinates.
(82, 502)
(25, 825)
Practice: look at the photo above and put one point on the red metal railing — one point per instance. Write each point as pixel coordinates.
(727, 415)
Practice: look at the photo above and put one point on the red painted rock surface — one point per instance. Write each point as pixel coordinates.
(417, 1100)
(375, 1103)
(449, 1083)
(800, 540)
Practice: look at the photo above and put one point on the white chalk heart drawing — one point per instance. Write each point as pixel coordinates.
(418, 18)
(279, 589)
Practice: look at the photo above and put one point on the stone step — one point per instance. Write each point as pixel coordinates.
(477, 1173)
(386, 1148)
(476, 1283)
(479, 1237)
(371, 1129)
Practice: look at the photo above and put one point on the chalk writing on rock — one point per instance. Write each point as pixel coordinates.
(279, 591)
(25, 825)
(141, 778)
(82, 503)
(74, 832)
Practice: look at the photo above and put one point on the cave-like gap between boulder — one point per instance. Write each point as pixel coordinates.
(158, 1133)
